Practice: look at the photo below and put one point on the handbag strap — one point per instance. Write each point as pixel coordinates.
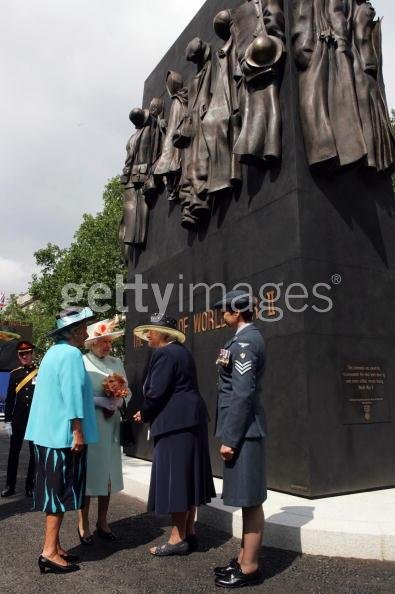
(123, 411)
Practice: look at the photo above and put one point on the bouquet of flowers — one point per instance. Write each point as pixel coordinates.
(114, 386)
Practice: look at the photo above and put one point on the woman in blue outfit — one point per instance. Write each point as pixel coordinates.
(61, 424)
(181, 477)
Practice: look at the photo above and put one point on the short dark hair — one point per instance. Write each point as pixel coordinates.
(247, 315)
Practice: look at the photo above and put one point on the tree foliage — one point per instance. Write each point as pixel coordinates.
(93, 257)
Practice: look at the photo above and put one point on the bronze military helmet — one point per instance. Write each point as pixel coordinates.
(222, 24)
(139, 116)
(264, 51)
(174, 82)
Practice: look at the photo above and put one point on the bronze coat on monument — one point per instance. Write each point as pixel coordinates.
(328, 101)
(258, 30)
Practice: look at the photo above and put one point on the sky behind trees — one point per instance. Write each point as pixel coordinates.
(71, 71)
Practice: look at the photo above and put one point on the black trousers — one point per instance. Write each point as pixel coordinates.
(16, 442)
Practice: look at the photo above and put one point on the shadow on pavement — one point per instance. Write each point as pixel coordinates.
(285, 528)
(131, 533)
(15, 506)
(144, 529)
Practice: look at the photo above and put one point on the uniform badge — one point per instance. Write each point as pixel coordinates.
(223, 358)
(243, 368)
(244, 345)
(242, 355)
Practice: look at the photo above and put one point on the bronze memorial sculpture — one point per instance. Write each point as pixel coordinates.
(258, 31)
(170, 162)
(337, 47)
(229, 112)
(368, 72)
(143, 149)
(190, 137)
(222, 123)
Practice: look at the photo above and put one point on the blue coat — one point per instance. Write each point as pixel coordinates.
(239, 410)
(63, 393)
(171, 394)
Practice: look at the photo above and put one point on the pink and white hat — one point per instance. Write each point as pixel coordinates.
(104, 329)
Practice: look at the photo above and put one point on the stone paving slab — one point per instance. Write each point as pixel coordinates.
(359, 525)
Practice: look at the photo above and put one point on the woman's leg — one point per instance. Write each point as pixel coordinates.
(102, 509)
(240, 555)
(253, 522)
(83, 519)
(191, 517)
(178, 532)
(179, 524)
(52, 529)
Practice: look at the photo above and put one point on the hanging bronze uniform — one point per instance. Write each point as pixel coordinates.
(169, 164)
(143, 149)
(369, 84)
(190, 137)
(221, 124)
(258, 31)
(328, 102)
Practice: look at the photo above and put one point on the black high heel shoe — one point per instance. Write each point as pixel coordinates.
(105, 535)
(85, 540)
(47, 566)
(71, 558)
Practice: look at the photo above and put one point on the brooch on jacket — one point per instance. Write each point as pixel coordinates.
(223, 358)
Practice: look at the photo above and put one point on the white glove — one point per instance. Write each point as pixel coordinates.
(8, 429)
(104, 402)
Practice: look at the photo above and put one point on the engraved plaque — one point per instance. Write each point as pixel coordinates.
(365, 393)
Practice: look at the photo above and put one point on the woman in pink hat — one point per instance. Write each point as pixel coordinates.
(111, 392)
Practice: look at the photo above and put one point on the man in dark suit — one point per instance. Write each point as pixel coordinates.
(17, 409)
(241, 428)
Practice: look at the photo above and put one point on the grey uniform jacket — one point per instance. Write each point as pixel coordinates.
(239, 411)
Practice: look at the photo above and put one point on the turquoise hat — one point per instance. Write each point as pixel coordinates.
(71, 316)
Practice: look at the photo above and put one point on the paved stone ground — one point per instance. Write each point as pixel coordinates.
(126, 567)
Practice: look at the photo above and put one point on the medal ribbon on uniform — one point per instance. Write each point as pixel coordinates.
(223, 358)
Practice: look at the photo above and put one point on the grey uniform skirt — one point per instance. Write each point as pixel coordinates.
(245, 475)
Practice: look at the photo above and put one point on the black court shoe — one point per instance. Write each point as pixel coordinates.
(105, 535)
(71, 558)
(47, 566)
(237, 579)
(85, 540)
(8, 491)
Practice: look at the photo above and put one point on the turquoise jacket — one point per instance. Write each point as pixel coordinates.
(63, 393)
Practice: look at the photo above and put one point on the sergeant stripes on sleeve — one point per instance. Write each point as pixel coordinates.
(242, 368)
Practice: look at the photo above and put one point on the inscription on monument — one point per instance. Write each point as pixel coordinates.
(365, 397)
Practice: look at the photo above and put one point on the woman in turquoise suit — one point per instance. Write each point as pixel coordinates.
(104, 470)
(61, 424)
